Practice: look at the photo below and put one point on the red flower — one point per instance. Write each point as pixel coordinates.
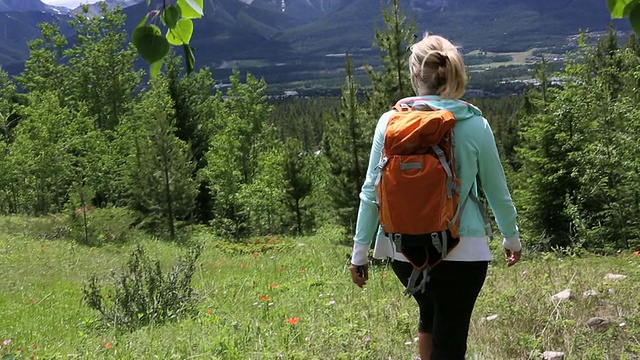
(108, 346)
(264, 298)
(302, 271)
(293, 320)
(636, 253)
(209, 311)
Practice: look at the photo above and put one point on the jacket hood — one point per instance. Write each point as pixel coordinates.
(461, 110)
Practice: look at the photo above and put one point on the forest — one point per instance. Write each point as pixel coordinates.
(96, 148)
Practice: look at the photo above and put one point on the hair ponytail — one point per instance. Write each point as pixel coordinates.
(435, 64)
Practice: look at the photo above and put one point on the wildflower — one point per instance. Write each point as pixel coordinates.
(636, 252)
(274, 286)
(302, 271)
(293, 320)
(255, 255)
(6, 342)
(108, 346)
(307, 339)
(366, 338)
(332, 302)
(264, 298)
(384, 276)
(209, 311)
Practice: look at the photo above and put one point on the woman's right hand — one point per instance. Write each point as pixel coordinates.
(359, 274)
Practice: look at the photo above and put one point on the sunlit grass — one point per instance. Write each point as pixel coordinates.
(297, 302)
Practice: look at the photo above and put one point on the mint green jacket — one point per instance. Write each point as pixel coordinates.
(476, 154)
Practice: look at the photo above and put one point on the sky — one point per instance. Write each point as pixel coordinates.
(69, 3)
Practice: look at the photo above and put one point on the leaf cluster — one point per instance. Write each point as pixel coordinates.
(153, 47)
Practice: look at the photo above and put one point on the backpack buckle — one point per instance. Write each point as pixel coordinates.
(397, 240)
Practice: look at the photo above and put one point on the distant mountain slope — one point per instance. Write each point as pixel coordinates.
(18, 28)
(23, 5)
(494, 25)
(261, 33)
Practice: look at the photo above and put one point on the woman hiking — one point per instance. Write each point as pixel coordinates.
(446, 304)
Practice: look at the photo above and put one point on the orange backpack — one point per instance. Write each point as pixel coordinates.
(418, 190)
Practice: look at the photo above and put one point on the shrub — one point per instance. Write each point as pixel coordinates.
(141, 295)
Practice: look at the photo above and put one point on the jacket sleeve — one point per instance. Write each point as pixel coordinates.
(367, 221)
(494, 184)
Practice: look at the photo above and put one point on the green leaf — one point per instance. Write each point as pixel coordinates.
(191, 9)
(150, 43)
(189, 58)
(171, 15)
(8, 357)
(143, 21)
(621, 8)
(634, 19)
(181, 34)
(155, 68)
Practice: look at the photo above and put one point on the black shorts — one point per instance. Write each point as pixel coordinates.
(447, 303)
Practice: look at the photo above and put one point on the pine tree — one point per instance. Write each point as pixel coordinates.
(159, 169)
(346, 144)
(195, 107)
(392, 82)
(241, 135)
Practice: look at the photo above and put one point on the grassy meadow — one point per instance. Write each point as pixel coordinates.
(293, 299)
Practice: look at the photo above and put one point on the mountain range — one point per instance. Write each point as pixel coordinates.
(311, 36)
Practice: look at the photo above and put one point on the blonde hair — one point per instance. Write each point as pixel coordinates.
(437, 68)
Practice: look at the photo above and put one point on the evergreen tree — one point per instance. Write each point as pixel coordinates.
(346, 144)
(233, 155)
(298, 168)
(195, 107)
(579, 153)
(393, 81)
(158, 170)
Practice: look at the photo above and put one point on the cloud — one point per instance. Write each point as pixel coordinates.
(68, 3)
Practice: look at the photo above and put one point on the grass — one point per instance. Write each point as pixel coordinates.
(295, 300)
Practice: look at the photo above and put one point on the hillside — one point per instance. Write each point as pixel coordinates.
(257, 35)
